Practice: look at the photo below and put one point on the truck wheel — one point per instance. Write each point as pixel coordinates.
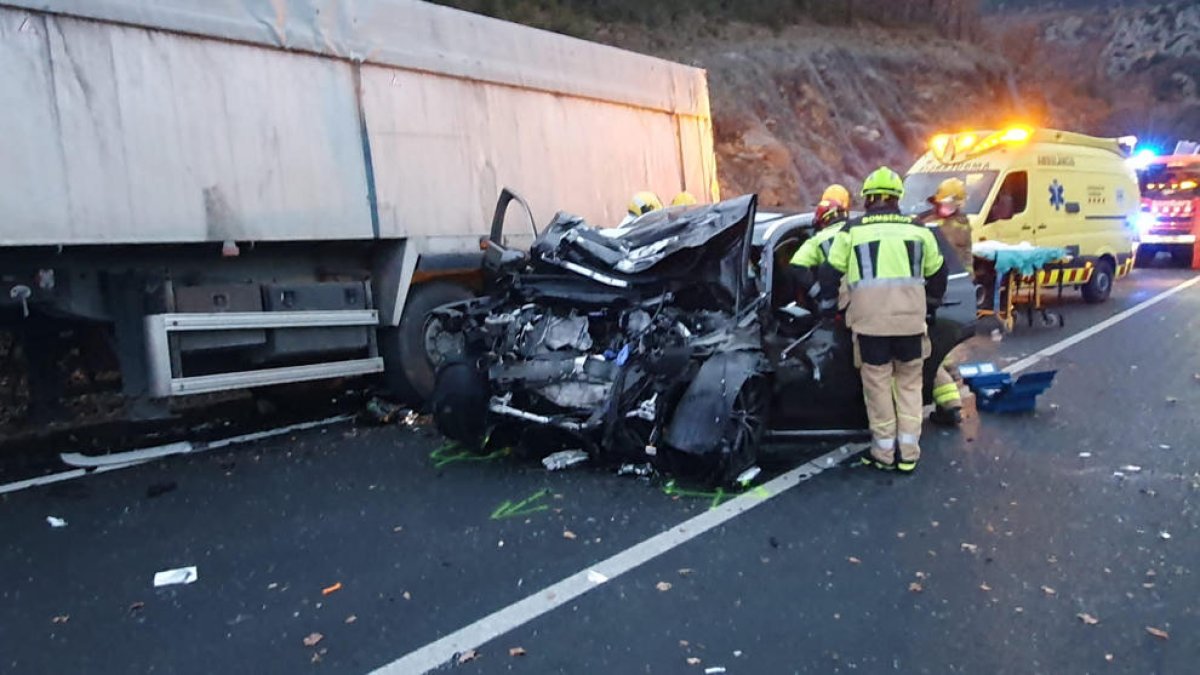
(413, 351)
(1099, 287)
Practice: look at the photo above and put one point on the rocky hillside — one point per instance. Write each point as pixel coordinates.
(805, 92)
(1110, 70)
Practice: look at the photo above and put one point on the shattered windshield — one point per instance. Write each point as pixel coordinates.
(919, 187)
(1165, 182)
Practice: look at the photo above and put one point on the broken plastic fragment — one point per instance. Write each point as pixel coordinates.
(1158, 632)
(55, 521)
(1088, 619)
(663, 586)
(1164, 535)
(713, 670)
(181, 575)
(1085, 455)
(1131, 468)
(746, 477)
(312, 639)
(563, 459)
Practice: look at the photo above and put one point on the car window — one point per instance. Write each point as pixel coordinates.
(1012, 198)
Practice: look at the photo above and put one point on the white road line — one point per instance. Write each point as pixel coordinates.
(1111, 321)
(438, 653)
(135, 457)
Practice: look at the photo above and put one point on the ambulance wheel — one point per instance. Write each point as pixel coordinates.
(1099, 287)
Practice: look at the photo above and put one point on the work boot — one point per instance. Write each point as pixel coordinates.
(946, 417)
(906, 467)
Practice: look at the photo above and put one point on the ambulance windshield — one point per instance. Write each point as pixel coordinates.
(919, 187)
(1165, 182)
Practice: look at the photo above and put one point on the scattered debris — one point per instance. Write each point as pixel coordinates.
(1131, 468)
(1085, 455)
(970, 548)
(55, 521)
(567, 534)
(915, 587)
(596, 577)
(921, 575)
(467, 657)
(273, 585)
(737, 653)
(406, 595)
(179, 575)
(1158, 633)
(984, 587)
(744, 479)
(685, 571)
(640, 470)
(713, 670)
(160, 489)
(384, 412)
(351, 619)
(1118, 474)
(516, 651)
(1087, 619)
(563, 459)
(1163, 446)
(997, 336)
(136, 607)
(854, 561)
(663, 586)
(693, 661)
(330, 590)
(1108, 657)
(312, 639)
(684, 643)
(1164, 535)
(62, 618)
(1049, 591)
(1171, 400)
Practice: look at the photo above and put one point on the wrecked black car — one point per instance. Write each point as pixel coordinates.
(675, 339)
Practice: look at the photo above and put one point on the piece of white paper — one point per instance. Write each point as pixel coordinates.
(182, 575)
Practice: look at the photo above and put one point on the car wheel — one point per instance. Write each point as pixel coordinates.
(1099, 287)
(414, 350)
(744, 432)
(459, 403)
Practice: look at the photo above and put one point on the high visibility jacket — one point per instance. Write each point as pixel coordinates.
(887, 260)
(815, 249)
(957, 231)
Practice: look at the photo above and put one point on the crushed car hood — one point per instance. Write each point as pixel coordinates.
(705, 246)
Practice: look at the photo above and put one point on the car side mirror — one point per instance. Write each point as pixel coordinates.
(496, 258)
(1072, 207)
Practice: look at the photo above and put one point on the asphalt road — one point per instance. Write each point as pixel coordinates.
(984, 561)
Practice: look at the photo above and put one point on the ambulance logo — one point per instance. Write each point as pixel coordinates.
(1056, 195)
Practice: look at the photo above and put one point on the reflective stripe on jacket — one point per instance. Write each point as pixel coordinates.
(885, 258)
(815, 249)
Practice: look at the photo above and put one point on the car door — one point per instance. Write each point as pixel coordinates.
(815, 384)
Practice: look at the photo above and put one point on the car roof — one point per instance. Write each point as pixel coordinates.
(768, 223)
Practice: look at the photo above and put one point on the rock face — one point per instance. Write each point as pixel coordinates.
(809, 106)
(1110, 70)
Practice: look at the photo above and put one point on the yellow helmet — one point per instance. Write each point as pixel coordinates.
(951, 189)
(644, 202)
(684, 198)
(837, 194)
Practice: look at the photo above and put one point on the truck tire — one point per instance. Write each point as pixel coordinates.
(1099, 287)
(409, 369)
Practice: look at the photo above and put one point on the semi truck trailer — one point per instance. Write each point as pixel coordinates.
(213, 196)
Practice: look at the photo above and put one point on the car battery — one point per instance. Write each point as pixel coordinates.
(308, 297)
(215, 299)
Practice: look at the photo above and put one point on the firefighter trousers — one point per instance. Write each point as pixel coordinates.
(891, 369)
(945, 389)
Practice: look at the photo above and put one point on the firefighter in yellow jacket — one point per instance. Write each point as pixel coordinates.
(947, 216)
(896, 277)
(828, 219)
